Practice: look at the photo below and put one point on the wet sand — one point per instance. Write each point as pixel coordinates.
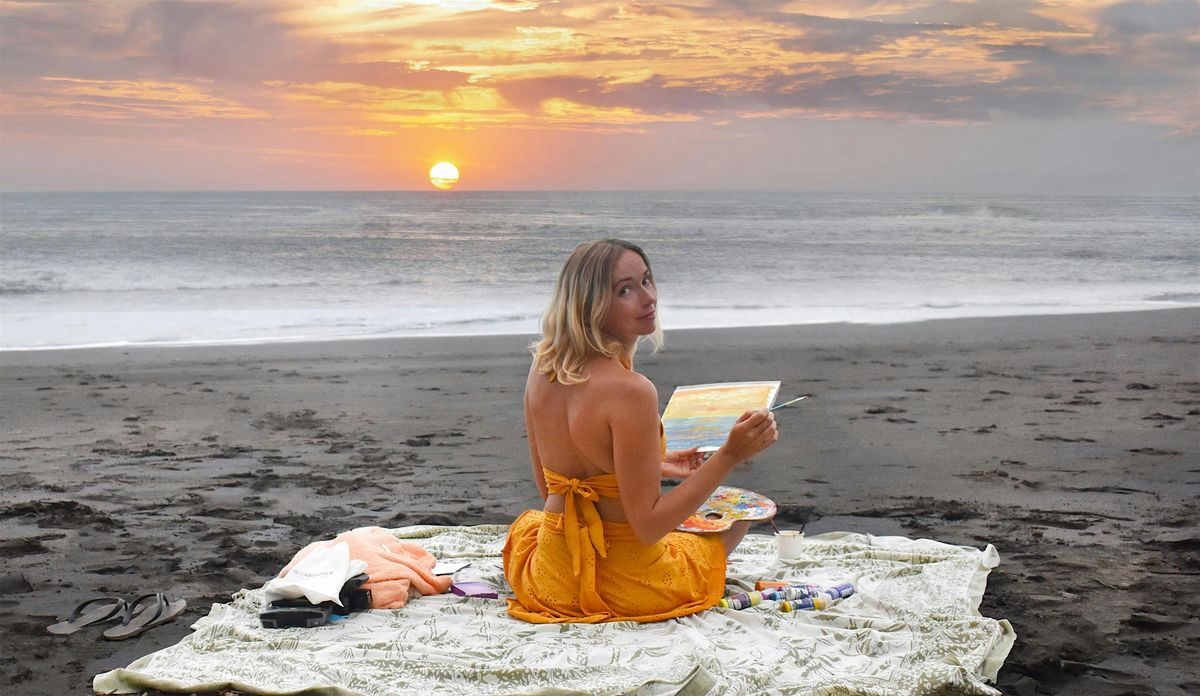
(1069, 442)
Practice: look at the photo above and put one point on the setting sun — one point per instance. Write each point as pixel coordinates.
(443, 175)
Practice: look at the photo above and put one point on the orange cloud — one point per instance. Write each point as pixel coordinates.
(132, 99)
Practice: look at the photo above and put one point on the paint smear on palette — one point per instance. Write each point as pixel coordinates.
(702, 415)
(726, 505)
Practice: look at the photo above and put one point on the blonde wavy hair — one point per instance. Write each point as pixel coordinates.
(571, 324)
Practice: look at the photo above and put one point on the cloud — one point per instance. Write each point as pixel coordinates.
(1028, 15)
(228, 41)
(1002, 14)
(1140, 17)
(652, 95)
(1139, 63)
(1041, 65)
(885, 96)
(528, 94)
(127, 100)
(232, 43)
(392, 74)
(832, 35)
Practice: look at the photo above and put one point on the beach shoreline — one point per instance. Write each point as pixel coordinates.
(1067, 441)
(530, 335)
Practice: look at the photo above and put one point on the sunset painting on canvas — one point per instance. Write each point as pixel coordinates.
(701, 415)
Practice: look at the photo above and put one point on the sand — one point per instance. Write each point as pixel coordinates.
(1069, 442)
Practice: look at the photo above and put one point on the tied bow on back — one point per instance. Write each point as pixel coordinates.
(580, 517)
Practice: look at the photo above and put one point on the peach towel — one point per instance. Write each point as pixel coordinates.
(395, 567)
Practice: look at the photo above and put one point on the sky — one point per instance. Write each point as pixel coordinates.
(1005, 96)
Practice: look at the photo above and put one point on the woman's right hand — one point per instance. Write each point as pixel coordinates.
(754, 432)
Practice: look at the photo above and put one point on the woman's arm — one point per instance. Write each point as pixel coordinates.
(538, 477)
(632, 410)
(679, 464)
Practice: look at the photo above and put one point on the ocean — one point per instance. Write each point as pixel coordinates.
(122, 269)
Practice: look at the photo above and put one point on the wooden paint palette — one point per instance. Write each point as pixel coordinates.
(725, 506)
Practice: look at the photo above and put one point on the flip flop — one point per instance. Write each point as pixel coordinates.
(135, 621)
(108, 607)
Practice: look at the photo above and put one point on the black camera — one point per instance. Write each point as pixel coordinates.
(301, 613)
(353, 597)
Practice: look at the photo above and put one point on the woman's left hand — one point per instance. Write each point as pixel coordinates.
(681, 463)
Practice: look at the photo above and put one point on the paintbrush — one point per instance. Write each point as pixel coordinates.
(776, 407)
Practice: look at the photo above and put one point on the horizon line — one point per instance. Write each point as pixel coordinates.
(452, 192)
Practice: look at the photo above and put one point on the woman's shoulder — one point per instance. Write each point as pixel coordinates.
(613, 379)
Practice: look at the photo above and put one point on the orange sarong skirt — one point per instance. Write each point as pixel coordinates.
(619, 578)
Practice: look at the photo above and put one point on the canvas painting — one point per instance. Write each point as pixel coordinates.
(701, 415)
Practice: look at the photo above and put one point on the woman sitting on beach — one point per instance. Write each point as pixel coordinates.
(602, 548)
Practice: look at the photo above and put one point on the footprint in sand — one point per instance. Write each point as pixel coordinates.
(1060, 438)
(1165, 417)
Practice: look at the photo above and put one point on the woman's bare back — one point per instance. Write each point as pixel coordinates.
(569, 431)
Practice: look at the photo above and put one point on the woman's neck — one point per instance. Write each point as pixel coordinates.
(626, 354)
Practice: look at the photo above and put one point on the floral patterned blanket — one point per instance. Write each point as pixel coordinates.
(911, 627)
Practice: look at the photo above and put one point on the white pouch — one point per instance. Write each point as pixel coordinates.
(318, 577)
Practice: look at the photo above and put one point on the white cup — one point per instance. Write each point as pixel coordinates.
(788, 543)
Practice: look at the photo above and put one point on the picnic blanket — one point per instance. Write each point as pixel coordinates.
(911, 627)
